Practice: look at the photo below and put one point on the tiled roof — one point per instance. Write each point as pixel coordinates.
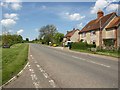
(95, 24)
(70, 33)
(114, 23)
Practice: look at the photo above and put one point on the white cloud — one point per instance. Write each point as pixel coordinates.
(8, 22)
(20, 31)
(8, 1)
(80, 25)
(16, 6)
(43, 7)
(3, 4)
(11, 16)
(74, 16)
(112, 7)
(101, 4)
(12, 4)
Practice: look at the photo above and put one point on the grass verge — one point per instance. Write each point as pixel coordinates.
(106, 53)
(0, 66)
(13, 60)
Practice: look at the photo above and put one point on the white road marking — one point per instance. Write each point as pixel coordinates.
(45, 75)
(36, 84)
(98, 63)
(41, 69)
(29, 69)
(38, 65)
(79, 58)
(29, 65)
(91, 61)
(52, 83)
(34, 77)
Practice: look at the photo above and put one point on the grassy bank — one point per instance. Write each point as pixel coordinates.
(106, 53)
(0, 66)
(13, 60)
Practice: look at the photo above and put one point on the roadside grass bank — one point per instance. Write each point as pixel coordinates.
(0, 66)
(115, 54)
(13, 60)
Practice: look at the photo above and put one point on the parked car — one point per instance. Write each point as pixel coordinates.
(6, 46)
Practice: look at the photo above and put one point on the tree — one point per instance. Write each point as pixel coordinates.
(9, 39)
(58, 37)
(27, 39)
(46, 33)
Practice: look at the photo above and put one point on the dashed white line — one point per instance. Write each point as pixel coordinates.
(91, 61)
(52, 83)
(41, 69)
(38, 65)
(45, 75)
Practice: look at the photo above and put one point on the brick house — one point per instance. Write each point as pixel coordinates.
(103, 28)
(72, 36)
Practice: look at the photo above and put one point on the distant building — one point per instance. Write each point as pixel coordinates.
(102, 29)
(71, 36)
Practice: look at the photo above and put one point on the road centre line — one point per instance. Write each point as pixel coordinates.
(91, 61)
(84, 59)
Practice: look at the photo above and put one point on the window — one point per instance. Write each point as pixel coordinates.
(84, 35)
(93, 33)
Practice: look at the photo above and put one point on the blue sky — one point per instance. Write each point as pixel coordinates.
(29, 17)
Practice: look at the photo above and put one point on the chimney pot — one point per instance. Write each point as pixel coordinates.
(100, 13)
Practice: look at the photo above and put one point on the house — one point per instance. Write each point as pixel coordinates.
(103, 28)
(71, 36)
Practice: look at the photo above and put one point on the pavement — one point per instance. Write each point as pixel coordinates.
(55, 68)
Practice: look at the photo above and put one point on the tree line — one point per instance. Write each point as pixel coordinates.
(49, 35)
(9, 39)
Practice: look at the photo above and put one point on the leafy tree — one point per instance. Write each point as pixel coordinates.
(8, 39)
(58, 37)
(27, 39)
(46, 33)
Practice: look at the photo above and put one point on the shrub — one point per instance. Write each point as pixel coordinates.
(91, 46)
(83, 46)
(79, 45)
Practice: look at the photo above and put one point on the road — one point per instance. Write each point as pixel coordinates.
(54, 68)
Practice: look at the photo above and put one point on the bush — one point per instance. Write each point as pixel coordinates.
(83, 46)
(91, 46)
(79, 45)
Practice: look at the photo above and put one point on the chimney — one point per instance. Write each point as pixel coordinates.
(73, 28)
(100, 13)
(67, 31)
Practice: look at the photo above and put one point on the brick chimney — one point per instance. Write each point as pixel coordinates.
(100, 13)
(73, 28)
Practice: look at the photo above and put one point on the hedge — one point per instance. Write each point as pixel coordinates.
(82, 45)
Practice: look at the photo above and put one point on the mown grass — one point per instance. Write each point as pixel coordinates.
(106, 53)
(13, 60)
(0, 66)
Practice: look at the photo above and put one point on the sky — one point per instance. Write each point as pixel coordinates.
(26, 18)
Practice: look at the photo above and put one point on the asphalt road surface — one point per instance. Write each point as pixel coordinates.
(54, 68)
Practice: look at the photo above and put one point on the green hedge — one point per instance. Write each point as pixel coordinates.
(82, 45)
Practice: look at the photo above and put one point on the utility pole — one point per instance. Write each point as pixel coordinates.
(100, 36)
